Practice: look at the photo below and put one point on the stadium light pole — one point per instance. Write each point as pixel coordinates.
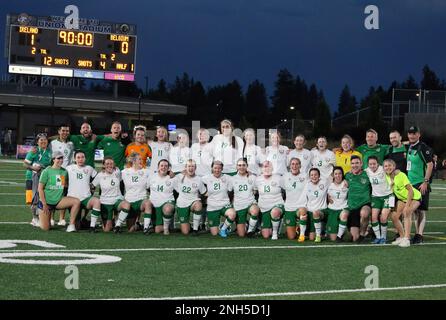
(147, 85)
(292, 122)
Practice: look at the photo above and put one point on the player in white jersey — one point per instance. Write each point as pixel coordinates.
(314, 196)
(254, 154)
(382, 196)
(202, 153)
(180, 153)
(189, 187)
(244, 201)
(337, 213)
(277, 154)
(67, 148)
(135, 180)
(227, 147)
(160, 148)
(293, 183)
(218, 204)
(304, 155)
(111, 197)
(161, 187)
(271, 202)
(323, 159)
(79, 176)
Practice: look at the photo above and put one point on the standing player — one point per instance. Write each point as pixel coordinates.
(252, 152)
(337, 206)
(358, 199)
(140, 146)
(180, 153)
(304, 155)
(80, 175)
(111, 197)
(160, 148)
(35, 161)
(323, 159)
(135, 181)
(271, 203)
(219, 205)
(86, 142)
(419, 171)
(397, 151)
(314, 198)
(293, 183)
(408, 201)
(372, 148)
(381, 199)
(277, 154)
(114, 146)
(161, 186)
(345, 152)
(244, 202)
(202, 153)
(189, 187)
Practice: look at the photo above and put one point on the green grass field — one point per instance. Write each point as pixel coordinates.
(176, 266)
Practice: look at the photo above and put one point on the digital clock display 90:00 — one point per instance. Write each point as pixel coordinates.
(75, 38)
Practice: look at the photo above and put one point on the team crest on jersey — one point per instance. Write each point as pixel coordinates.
(142, 150)
(321, 187)
(273, 183)
(166, 148)
(140, 172)
(85, 171)
(363, 181)
(301, 179)
(194, 185)
(281, 151)
(168, 183)
(108, 143)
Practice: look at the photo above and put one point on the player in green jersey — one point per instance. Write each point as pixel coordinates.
(114, 145)
(372, 148)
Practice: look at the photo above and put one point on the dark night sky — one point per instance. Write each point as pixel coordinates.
(324, 42)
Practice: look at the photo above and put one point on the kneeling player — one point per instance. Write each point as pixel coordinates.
(337, 206)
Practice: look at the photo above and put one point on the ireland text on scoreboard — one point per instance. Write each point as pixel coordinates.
(98, 50)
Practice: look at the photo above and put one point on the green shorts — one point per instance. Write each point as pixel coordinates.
(135, 209)
(184, 214)
(380, 202)
(290, 218)
(159, 213)
(107, 210)
(332, 220)
(310, 220)
(214, 216)
(242, 215)
(84, 202)
(266, 217)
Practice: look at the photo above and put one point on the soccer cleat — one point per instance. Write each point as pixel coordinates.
(360, 239)
(404, 243)
(274, 237)
(251, 234)
(397, 241)
(71, 228)
(376, 241)
(62, 223)
(223, 233)
(382, 241)
(301, 238)
(194, 233)
(117, 229)
(146, 231)
(166, 232)
(52, 222)
(35, 222)
(417, 239)
(339, 240)
(93, 230)
(318, 239)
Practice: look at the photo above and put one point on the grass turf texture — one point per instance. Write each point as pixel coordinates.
(281, 266)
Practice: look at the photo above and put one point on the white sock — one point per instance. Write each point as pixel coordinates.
(341, 230)
(384, 231)
(317, 226)
(121, 218)
(94, 217)
(276, 225)
(252, 224)
(226, 224)
(376, 230)
(147, 220)
(196, 221)
(166, 223)
(303, 228)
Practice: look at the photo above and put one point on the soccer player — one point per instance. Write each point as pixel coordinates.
(323, 159)
(304, 155)
(189, 187)
(161, 186)
(219, 205)
(140, 146)
(419, 171)
(337, 213)
(277, 154)
(293, 183)
(408, 201)
(160, 148)
(135, 180)
(244, 202)
(252, 152)
(271, 203)
(358, 199)
(52, 182)
(180, 153)
(86, 142)
(314, 198)
(227, 147)
(372, 148)
(397, 151)
(80, 175)
(114, 146)
(35, 161)
(111, 197)
(344, 153)
(381, 199)
(202, 153)
(67, 148)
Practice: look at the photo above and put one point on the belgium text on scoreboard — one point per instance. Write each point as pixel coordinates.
(41, 46)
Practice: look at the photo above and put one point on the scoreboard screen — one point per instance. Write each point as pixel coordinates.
(42, 46)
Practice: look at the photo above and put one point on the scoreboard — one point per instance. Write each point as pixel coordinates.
(43, 46)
